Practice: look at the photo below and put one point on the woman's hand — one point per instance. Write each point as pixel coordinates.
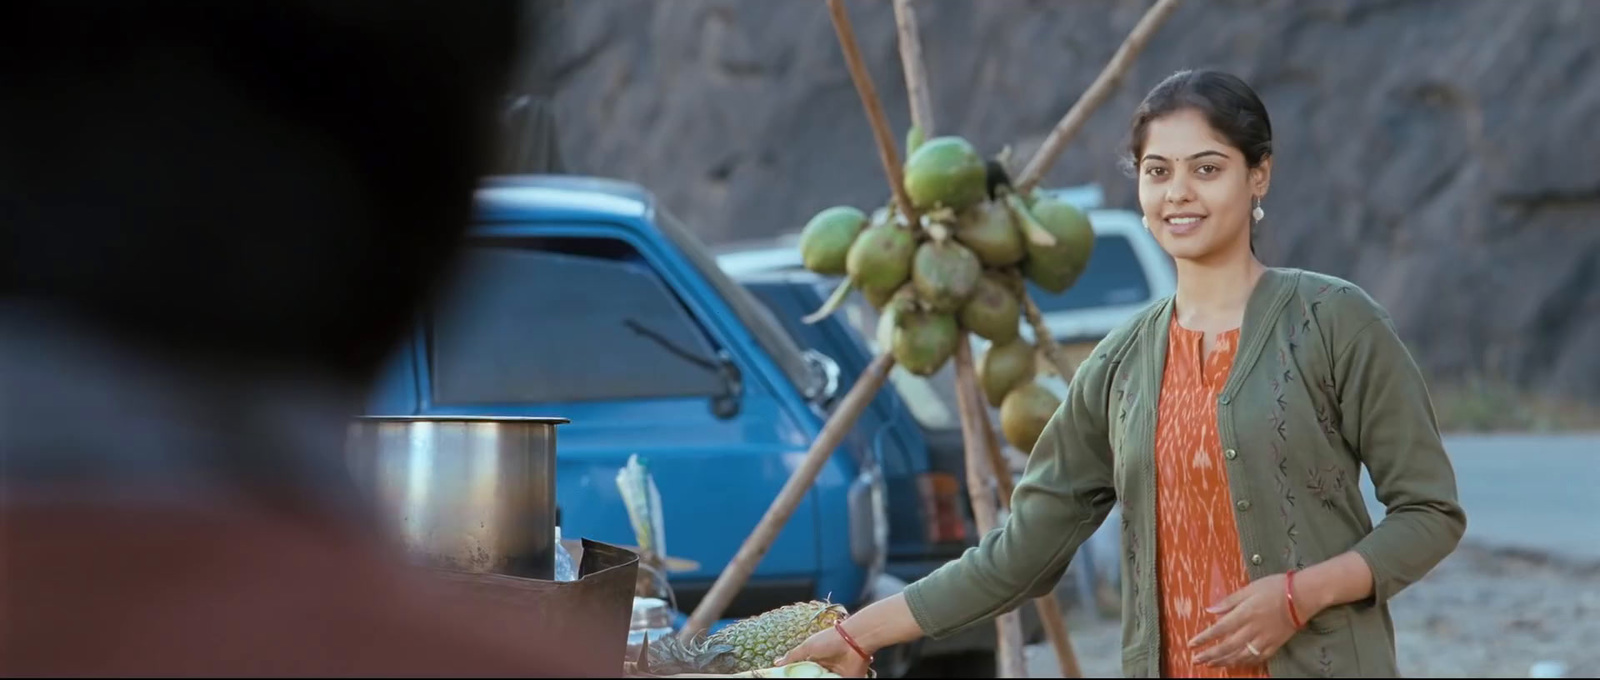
(828, 649)
(879, 625)
(1254, 625)
(1256, 622)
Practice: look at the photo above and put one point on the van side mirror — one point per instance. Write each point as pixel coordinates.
(726, 405)
(825, 386)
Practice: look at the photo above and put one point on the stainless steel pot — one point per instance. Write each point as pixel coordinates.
(473, 494)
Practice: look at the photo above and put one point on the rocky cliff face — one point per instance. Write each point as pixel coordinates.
(1443, 154)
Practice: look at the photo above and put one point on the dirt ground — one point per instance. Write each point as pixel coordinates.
(1482, 613)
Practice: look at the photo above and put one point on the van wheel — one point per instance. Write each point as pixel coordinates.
(962, 665)
(896, 661)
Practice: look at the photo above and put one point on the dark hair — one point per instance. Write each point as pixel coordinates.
(1229, 105)
(282, 180)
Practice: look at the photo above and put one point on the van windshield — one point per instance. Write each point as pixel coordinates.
(768, 333)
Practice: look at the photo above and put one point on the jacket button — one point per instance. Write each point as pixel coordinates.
(1224, 400)
(1244, 505)
(1231, 454)
(1255, 559)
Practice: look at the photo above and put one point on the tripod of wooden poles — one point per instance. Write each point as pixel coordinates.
(989, 482)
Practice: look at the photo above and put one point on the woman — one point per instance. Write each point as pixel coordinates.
(1231, 421)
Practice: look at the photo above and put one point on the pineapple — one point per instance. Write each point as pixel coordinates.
(748, 644)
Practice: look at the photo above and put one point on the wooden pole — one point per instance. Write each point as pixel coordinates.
(1008, 627)
(1043, 340)
(738, 571)
(1098, 92)
(1067, 128)
(755, 546)
(1050, 615)
(874, 106)
(1055, 626)
(905, 22)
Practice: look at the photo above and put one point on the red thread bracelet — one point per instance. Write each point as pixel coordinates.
(1288, 594)
(839, 626)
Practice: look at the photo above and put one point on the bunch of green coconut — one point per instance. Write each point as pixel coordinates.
(961, 265)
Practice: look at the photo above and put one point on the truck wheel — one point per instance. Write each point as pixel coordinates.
(897, 660)
(962, 665)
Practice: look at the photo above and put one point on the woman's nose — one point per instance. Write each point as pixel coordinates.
(1178, 190)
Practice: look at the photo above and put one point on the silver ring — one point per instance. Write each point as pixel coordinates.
(1252, 648)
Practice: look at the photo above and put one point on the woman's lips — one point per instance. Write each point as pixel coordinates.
(1178, 225)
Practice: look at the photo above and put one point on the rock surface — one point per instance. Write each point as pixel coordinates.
(1439, 153)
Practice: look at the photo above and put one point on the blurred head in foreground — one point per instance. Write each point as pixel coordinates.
(243, 183)
(202, 203)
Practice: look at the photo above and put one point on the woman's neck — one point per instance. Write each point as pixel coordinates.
(1212, 294)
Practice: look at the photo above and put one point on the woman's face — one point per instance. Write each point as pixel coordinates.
(1196, 190)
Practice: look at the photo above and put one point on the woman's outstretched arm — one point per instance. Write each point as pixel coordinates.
(1063, 496)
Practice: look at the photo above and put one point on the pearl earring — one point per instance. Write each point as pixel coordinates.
(1146, 222)
(1258, 213)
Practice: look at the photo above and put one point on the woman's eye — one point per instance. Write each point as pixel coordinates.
(1154, 171)
(1209, 169)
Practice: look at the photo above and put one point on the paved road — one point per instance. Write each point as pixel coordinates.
(1532, 492)
(1538, 493)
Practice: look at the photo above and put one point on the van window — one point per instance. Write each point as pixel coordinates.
(565, 324)
(1114, 277)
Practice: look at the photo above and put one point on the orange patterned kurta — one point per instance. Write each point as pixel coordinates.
(1198, 558)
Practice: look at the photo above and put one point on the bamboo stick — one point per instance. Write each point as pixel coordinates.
(1067, 128)
(1098, 92)
(874, 106)
(734, 576)
(1050, 615)
(1044, 341)
(1008, 626)
(917, 93)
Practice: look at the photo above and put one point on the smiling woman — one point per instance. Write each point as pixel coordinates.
(1202, 146)
(1231, 420)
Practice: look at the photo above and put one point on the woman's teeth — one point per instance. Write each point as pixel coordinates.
(1180, 221)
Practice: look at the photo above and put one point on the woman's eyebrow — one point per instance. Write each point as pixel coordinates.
(1202, 154)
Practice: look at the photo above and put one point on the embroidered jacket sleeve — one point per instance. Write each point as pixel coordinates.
(1388, 417)
(1066, 491)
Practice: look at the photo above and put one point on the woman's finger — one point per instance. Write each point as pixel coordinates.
(1256, 653)
(1227, 651)
(1249, 653)
(1227, 657)
(787, 656)
(801, 652)
(1220, 630)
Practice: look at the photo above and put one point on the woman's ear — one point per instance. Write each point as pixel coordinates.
(1261, 177)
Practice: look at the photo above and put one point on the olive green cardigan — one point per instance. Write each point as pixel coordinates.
(1321, 386)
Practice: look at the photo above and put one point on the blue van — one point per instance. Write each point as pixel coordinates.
(581, 298)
